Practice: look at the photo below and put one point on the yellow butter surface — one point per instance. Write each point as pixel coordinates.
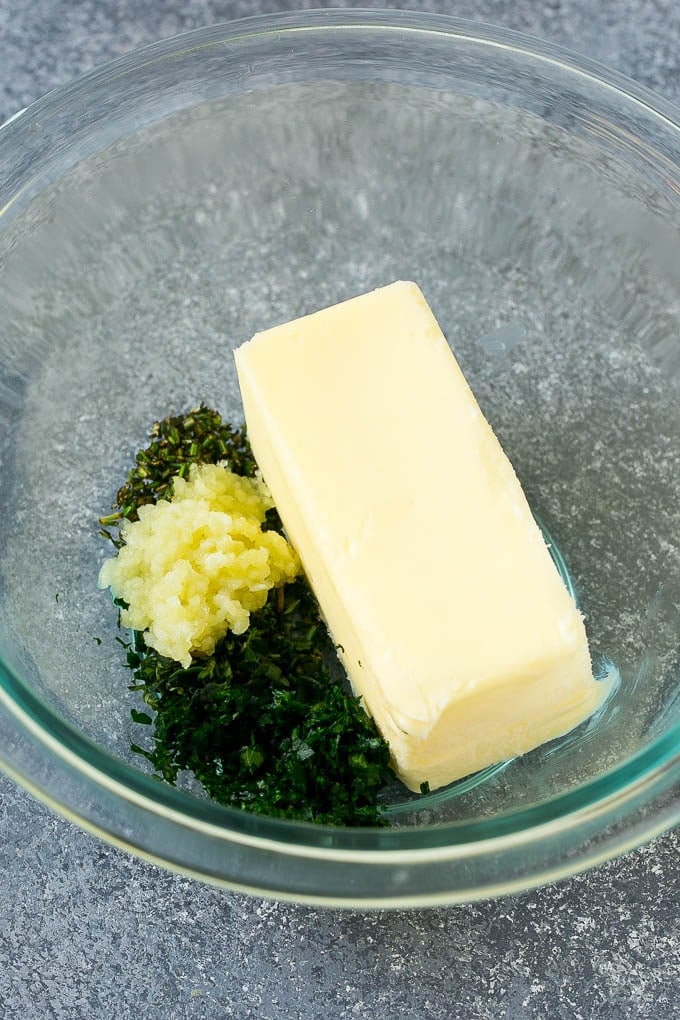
(435, 581)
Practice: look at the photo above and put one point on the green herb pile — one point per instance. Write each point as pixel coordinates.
(262, 723)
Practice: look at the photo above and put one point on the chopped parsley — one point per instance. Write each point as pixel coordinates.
(262, 724)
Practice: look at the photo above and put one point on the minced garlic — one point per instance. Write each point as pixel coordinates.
(195, 567)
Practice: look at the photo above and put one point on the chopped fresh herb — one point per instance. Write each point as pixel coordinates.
(97, 639)
(140, 717)
(425, 787)
(200, 437)
(262, 723)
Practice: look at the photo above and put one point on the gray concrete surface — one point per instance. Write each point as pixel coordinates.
(87, 932)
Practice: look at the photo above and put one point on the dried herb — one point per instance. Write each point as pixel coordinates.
(262, 723)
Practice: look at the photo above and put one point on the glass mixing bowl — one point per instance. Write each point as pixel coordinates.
(159, 211)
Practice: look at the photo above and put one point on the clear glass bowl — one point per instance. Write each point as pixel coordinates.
(159, 211)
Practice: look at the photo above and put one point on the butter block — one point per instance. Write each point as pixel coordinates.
(451, 619)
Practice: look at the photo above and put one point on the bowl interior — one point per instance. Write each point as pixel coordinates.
(548, 253)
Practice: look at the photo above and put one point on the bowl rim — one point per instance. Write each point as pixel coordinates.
(620, 784)
(297, 838)
(336, 18)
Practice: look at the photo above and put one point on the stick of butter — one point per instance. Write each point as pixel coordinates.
(451, 619)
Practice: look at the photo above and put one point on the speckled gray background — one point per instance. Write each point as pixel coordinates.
(86, 931)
